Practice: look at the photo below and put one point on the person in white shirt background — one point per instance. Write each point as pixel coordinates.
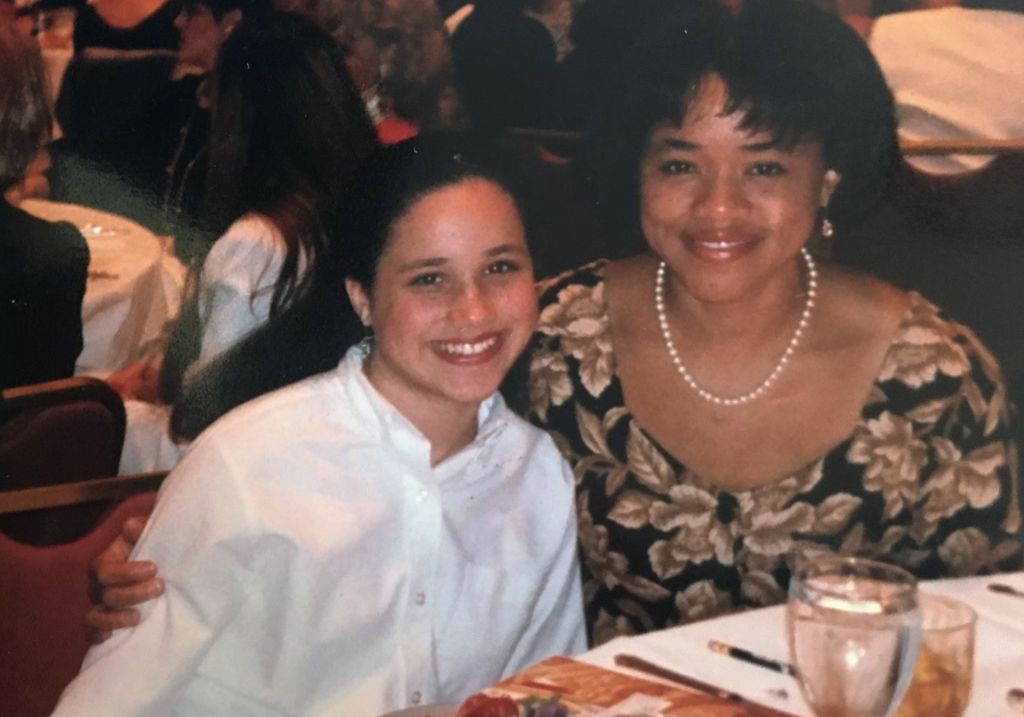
(383, 534)
(288, 130)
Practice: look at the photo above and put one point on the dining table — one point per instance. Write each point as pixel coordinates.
(698, 681)
(998, 662)
(133, 288)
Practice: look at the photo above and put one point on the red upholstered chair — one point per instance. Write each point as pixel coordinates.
(56, 432)
(44, 595)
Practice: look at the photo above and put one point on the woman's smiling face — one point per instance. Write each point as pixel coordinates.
(728, 209)
(453, 303)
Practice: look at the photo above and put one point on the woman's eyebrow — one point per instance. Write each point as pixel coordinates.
(436, 261)
(427, 263)
(676, 143)
(766, 146)
(505, 249)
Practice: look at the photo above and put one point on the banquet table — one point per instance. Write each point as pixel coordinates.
(999, 649)
(133, 289)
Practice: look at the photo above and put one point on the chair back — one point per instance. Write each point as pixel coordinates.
(959, 241)
(984, 206)
(44, 595)
(55, 432)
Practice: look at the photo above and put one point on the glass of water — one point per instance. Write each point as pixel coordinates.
(854, 627)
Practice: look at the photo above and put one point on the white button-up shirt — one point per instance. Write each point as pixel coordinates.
(317, 565)
(236, 285)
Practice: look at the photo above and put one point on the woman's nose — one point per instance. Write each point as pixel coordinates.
(721, 196)
(472, 305)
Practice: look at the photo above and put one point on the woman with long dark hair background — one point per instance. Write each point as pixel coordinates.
(287, 131)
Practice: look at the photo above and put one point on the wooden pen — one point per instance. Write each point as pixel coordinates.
(747, 656)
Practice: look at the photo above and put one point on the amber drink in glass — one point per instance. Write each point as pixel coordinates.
(941, 686)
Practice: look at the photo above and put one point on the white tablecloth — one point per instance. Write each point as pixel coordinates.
(134, 286)
(998, 666)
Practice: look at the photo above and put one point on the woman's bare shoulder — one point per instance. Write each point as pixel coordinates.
(860, 307)
(626, 278)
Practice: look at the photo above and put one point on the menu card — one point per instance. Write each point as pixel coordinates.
(585, 690)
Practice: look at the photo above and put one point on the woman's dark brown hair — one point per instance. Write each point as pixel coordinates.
(288, 130)
(313, 333)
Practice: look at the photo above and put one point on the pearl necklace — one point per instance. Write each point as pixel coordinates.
(794, 341)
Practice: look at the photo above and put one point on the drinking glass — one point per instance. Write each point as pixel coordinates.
(941, 686)
(854, 627)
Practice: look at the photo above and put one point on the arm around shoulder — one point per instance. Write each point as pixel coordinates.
(199, 536)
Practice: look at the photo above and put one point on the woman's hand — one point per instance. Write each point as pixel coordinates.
(139, 380)
(34, 184)
(122, 584)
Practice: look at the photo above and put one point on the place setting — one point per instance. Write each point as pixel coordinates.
(857, 637)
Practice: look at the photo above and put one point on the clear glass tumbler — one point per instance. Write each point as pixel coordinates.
(854, 627)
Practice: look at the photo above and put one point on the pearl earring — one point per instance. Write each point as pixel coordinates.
(827, 230)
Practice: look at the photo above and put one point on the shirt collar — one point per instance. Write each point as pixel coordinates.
(377, 415)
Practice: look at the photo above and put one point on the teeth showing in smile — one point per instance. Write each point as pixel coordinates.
(468, 349)
(721, 244)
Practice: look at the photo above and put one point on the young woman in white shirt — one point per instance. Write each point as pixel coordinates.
(385, 533)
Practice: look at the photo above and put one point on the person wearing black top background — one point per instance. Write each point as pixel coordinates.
(42, 265)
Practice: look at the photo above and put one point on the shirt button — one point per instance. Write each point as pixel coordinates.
(421, 496)
(416, 697)
(420, 598)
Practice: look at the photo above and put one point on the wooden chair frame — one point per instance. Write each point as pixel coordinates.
(65, 390)
(78, 493)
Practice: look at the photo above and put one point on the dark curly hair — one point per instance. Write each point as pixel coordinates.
(791, 69)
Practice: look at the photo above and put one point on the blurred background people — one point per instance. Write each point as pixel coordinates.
(42, 265)
(135, 122)
(288, 129)
(602, 33)
(127, 24)
(204, 25)
(555, 15)
(957, 72)
(399, 56)
(504, 66)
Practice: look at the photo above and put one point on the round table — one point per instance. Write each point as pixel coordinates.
(134, 286)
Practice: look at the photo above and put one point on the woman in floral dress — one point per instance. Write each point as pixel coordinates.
(725, 401)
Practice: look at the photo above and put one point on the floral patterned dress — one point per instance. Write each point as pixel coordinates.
(927, 478)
